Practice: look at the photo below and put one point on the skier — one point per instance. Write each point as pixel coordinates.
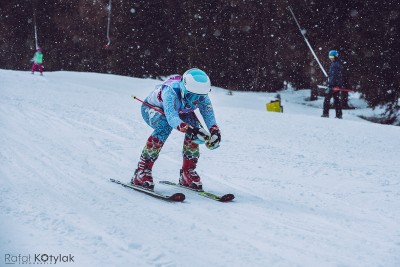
(335, 79)
(37, 61)
(178, 97)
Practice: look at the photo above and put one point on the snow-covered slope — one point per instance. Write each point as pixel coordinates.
(309, 191)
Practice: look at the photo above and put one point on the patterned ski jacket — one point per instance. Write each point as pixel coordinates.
(167, 97)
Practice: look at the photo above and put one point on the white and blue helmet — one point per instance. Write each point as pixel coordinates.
(195, 81)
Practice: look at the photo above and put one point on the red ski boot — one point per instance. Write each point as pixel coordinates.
(143, 177)
(188, 176)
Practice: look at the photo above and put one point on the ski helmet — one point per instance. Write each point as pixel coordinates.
(39, 49)
(333, 54)
(195, 81)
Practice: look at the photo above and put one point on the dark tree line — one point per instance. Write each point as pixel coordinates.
(243, 44)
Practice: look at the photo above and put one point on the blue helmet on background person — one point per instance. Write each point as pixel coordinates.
(195, 85)
(333, 54)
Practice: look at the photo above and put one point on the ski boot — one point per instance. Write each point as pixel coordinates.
(143, 178)
(189, 177)
(325, 115)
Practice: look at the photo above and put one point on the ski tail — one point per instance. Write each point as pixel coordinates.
(210, 195)
(177, 197)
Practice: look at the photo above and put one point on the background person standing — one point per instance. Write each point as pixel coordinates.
(335, 79)
(38, 61)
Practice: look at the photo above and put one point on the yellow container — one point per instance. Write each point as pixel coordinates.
(274, 106)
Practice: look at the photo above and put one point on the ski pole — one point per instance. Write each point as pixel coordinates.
(336, 89)
(309, 46)
(149, 105)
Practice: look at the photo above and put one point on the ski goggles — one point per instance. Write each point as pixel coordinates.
(194, 98)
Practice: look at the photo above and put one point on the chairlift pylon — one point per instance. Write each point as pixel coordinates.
(108, 26)
(34, 24)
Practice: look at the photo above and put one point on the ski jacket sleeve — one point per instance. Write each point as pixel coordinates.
(207, 111)
(171, 105)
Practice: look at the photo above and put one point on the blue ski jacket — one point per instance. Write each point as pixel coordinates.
(168, 97)
(335, 75)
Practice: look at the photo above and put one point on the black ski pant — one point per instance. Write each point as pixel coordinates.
(337, 103)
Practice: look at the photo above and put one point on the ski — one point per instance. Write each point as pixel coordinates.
(224, 198)
(177, 197)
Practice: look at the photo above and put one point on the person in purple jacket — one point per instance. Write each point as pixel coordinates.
(178, 97)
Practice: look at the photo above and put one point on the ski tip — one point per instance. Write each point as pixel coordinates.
(178, 197)
(227, 198)
(114, 181)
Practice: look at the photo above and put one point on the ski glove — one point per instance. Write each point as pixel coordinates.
(197, 135)
(215, 138)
